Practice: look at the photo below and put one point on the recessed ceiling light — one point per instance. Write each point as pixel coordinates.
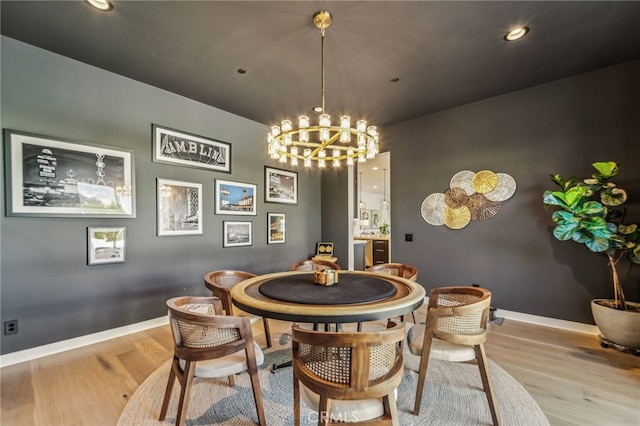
(516, 34)
(374, 168)
(104, 5)
(317, 108)
(395, 79)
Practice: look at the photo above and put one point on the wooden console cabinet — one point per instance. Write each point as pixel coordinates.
(376, 251)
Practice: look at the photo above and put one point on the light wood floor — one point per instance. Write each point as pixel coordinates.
(573, 379)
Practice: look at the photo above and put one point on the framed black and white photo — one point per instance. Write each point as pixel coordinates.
(281, 186)
(276, 228)
(106, 245)
(236, 198)
(179, 208)
(175, 147)
(48, 176)
(236, 234)
(365, 217)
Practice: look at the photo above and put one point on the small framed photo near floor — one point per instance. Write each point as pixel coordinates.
(106, 245)
(179, 208)
(281, 186)
(276, 228)
(237, 234)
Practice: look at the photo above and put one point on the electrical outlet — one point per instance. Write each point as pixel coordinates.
(11, 327)
(408, 237)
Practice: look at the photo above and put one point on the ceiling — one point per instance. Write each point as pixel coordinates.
(444, 54)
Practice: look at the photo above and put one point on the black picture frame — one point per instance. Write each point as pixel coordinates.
(176, 147)
(280, 186)
(237, 233)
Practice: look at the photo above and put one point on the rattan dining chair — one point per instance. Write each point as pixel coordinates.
(314, 265)
(403, 270)
(348, 377)
(220, 283)
(455, 330)
(209, 345)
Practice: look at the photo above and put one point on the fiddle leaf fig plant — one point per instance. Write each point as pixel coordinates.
(589, 212)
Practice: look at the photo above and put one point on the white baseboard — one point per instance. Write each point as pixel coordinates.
(577, 327)
(65, 345)
(77, 342)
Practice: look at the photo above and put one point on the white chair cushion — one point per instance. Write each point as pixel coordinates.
(347, 411)
(439, 348)
(225, 366)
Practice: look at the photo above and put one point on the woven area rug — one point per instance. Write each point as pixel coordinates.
(453, 396)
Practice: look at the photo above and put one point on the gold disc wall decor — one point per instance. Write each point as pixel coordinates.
(457, 218)
(484, 181)
(481, 208)
(471, 196)
(432, 209)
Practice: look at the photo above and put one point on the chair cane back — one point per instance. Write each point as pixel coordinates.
(314, 265)
(220, 283)
(348, 376)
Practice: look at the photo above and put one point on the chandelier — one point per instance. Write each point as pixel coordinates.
(322, 142)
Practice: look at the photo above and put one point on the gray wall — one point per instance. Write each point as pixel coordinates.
(561, 127)
(46, 283)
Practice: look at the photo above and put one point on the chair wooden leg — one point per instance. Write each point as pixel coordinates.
(391, 408)
(185, 392)
(232, 381)
(167, 393)
(296, 402)
(324, 411)
(267, 331)
(486, 383)
(257, 391)
(422, 374)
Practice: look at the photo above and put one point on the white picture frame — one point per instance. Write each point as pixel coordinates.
(179, 208)
(106, 244)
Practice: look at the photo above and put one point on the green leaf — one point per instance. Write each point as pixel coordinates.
(565, 231)
(606, 169)
(613, 196)
(627, 229)
(579, 237)
(589, 208)
(560, 216)
(597, 244)
(550, 199)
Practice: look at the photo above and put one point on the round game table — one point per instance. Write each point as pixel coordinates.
(357, 297)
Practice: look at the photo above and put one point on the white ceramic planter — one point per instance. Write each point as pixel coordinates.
(620, 327)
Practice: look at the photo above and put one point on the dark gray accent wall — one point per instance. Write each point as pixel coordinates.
(46, 283)
(560, 127)
(335, 215)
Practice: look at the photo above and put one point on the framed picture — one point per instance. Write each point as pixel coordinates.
(179, 208)
(235, 198)
(276, 228)
(47, 176)
(324, 249)
(281, 186)
(365, 218)
(375, 219)
(185, 149)
(236, 234)
(106, 245)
